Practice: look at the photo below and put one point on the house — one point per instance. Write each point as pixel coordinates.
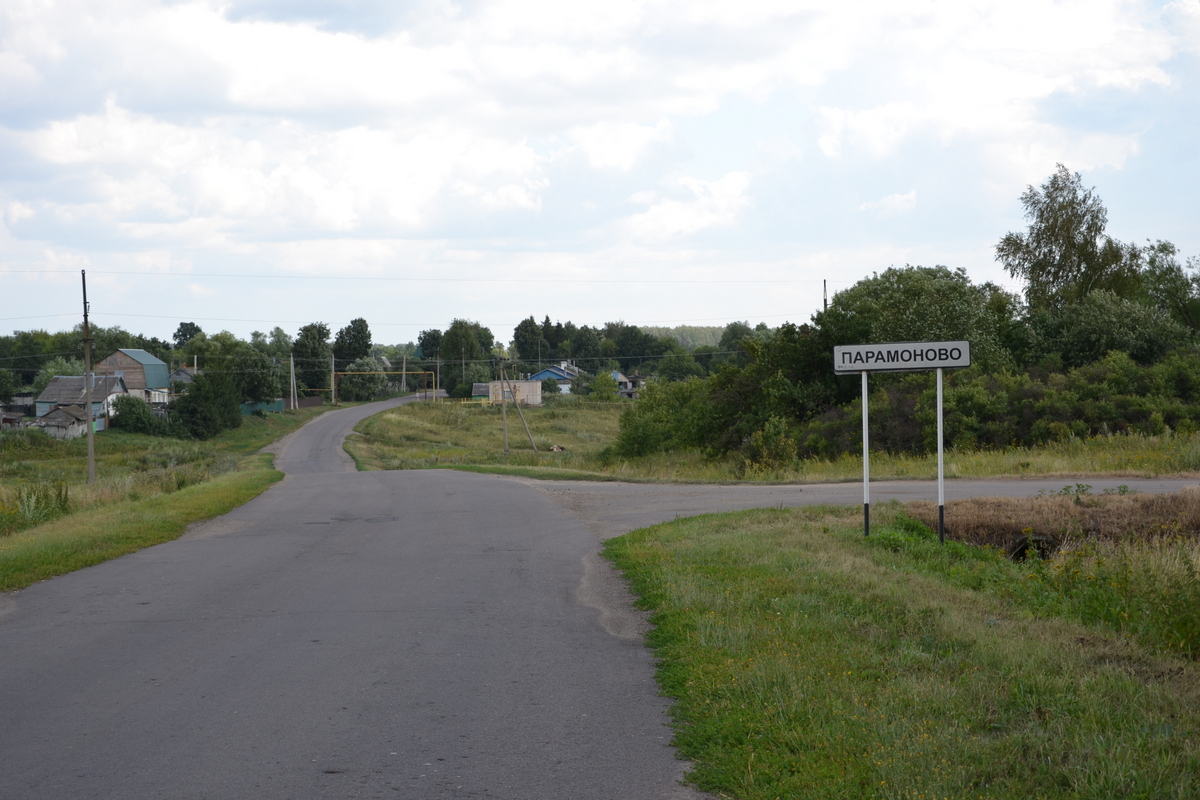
(69, 390)
(628, 387)
(562, 374)
(11, 420)
(145, 376)
(22, 403)
(527, 393)
(65, 422)
(181, 377)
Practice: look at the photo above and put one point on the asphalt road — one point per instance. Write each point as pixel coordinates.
(422, 634)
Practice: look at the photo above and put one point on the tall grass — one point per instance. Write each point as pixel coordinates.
(809, 662)
(443, 435)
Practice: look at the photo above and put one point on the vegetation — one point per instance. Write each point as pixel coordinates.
(1104, 341)
(456, 435)
(43, 479)
(81, 539)
(807, 661)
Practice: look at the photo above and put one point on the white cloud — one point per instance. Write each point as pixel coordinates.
(892, 204)
(613, 144)
(713, 203)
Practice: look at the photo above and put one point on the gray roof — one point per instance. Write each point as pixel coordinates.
(70, 389)
(63, 415)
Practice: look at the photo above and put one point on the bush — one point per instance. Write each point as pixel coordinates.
(669, 415)
(210, 406)
(134, 414)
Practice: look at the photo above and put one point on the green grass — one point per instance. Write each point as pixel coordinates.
(148, 490)
(83, 539)
(450, 435)
(809, 662)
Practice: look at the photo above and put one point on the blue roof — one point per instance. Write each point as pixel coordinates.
(557, 373)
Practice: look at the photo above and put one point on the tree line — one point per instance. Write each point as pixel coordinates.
(1103, 339)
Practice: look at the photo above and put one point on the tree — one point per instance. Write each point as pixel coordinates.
(430, 344)
(8, 385)
(184, 334)
(465, 344)
(1065, 255)
(1103, 322)
(210, 406)
(527, 337)
(257, 378)
(55, 366)
(312, 351)
(362, 386)
(351, 343)
(915, 304)
(1169, 287)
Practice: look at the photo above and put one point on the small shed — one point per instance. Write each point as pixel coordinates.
(70, 390)
(481, 391)
(64, 422)
(11, 420)
(527, 393)
(145, 375)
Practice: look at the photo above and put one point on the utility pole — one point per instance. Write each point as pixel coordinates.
(292, 384)
(464, 364)
(87, 385)
(517, 405)
(825, 295)
(332, 381)
(504, 410)
(403, 373)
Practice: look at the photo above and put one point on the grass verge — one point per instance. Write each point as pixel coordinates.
(809, 662)
(450, 435)
(148, 490)
(83, 539)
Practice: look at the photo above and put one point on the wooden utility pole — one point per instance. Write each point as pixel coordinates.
(332, 381)
(292, 385)
(87, 385)
(517, 405)
(504, 410)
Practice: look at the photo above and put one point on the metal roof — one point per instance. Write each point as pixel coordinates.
(158, 374)
(70, 389)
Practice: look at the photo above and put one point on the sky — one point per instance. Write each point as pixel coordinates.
(255, 163)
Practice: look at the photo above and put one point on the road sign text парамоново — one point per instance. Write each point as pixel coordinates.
(901, 356)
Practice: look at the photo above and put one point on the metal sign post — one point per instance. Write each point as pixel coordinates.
(902, 357)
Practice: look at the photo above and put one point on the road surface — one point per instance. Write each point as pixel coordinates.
(425, 634)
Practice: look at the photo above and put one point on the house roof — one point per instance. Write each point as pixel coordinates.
(142, 357)
(158, 374)
(70, 389)
(557, 373)
(63, 415)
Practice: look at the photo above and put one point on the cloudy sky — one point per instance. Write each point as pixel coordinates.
(260, 162)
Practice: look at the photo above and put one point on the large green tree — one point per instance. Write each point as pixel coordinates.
(210, 405)
(312, 352)
(466, 352)
(351, 343)
(1065, 253)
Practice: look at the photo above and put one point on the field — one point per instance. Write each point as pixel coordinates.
(147, 490)
(466, 436)
(807, 661)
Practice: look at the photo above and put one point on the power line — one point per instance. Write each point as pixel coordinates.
(298, 276)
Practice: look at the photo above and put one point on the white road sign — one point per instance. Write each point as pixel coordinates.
(901, 356)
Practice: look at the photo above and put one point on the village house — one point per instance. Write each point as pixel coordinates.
(562, 374)
(69, 390)
(527, 393)
(145, 376)
(63, 422)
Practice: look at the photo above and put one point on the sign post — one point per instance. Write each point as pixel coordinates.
(902, 357)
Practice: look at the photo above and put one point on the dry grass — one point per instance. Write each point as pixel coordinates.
(1004, 522)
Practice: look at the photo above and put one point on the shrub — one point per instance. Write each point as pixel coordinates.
(134, 414)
